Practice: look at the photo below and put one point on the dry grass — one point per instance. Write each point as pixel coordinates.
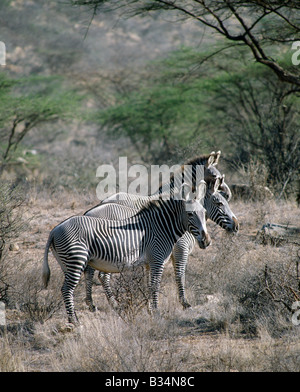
(234, 325)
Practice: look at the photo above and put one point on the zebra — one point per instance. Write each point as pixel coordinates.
(112, 246)
(217, 209)
(183, 247)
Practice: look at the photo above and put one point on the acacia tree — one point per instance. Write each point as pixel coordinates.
(27, 103)
(259, 112)
(240, 104)
(260, 25)
(261, 120)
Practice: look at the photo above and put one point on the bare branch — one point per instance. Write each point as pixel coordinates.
(215, 15)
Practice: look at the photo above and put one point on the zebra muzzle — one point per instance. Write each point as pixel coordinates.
(204, 240)
(235, 225)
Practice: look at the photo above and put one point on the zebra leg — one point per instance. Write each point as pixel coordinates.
(74, 269)
(180, 254)
(67, 293)
(180, 282)
(104, 278)
(89, 274)
(156, 270)
(148, 277)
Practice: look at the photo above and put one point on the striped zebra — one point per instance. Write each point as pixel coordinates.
(113, 246)
(215, 203)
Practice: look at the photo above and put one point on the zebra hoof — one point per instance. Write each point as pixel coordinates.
(156, 314)
(186, 305)
(114, 304)
(92, 308)
(68, 327)
(73, 322)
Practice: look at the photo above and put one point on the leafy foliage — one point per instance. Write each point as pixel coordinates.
(235, 104)
(28, 102)
(11, 225)
(261, 119)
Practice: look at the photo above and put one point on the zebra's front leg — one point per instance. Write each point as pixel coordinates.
(149, 296)
(156, 270)
(104, 278)
(179, 260)
(89, 275)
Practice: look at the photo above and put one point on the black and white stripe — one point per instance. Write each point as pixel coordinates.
(112, 246)
(123, 205)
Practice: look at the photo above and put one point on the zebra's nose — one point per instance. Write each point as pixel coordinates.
(208, 239)
(204, 240)
(235, 225)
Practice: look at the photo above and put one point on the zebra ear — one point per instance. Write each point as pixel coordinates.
(211, 158)
(217, 158)
(201, 190)
(187, 192)
(224, 189)
(217, 184)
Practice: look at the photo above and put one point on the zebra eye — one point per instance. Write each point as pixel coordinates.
(191, 214)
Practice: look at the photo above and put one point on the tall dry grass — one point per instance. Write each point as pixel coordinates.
(239, 320)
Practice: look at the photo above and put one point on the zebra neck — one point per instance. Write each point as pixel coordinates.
(166, 215)
(207, 198)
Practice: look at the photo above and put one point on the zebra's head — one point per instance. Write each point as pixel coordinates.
(196, 215)
(218, 209)
(211, 173)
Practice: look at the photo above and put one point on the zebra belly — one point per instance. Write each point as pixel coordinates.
(104, 266)
(116, 266)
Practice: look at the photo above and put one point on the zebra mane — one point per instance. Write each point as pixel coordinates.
(199, 160)
(157, 204)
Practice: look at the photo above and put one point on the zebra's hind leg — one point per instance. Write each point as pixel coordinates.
(67, 292)
(89, 274)
(104, 278)
(72, 277)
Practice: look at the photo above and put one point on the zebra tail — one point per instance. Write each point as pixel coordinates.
(46, 269)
